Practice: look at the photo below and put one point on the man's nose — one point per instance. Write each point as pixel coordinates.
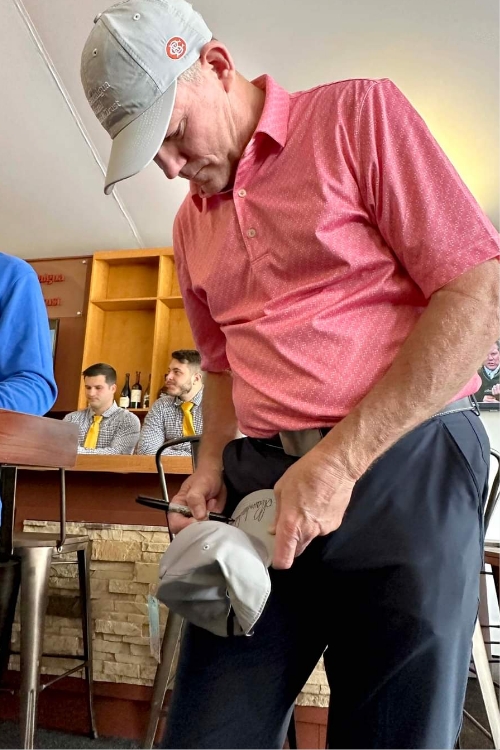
(170, 161)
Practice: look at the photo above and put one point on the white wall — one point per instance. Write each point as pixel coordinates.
(443, 54)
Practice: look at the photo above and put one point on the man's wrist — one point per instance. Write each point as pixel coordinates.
(352, 446)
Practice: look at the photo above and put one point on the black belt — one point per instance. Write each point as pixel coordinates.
(299, 442)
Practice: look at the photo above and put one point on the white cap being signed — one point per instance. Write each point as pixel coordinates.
(216, 575)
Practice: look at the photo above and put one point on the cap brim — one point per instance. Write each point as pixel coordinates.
(138, 143)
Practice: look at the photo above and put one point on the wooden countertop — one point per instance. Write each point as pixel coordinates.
(126, 464)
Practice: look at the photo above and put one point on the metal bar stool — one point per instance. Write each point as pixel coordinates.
(165, 671)
(489, 690)
(36, 441)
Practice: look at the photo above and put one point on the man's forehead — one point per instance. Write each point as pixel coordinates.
(95, 380)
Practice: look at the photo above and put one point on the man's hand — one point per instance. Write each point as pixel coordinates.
(203, 491)
(312, 496)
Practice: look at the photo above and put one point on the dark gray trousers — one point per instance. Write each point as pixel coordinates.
(392, 596)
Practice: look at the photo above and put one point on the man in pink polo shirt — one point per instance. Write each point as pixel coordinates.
(331, 263)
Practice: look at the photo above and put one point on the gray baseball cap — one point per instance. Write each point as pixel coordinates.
(216, 575)
(129, 69)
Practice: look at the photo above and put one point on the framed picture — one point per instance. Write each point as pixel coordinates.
(488, 395)
(54, 328)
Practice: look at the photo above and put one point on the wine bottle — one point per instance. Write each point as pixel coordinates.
(125, 393)
(136, 395)
(145, 398)
(163, 390)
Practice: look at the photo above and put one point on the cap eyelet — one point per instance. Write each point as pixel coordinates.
(136, 16)
(94, 53)
(206, 546)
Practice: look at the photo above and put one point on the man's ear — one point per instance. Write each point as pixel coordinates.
(215, 57)
(113, 388)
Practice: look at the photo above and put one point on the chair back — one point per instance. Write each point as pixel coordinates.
(494, 492)
(26, 440)
(195, 445)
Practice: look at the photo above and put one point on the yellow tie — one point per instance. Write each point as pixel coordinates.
(93, 433)
(187, 422)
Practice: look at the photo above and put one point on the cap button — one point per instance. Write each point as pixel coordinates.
(97, 17)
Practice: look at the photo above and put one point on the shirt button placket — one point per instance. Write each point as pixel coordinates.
(249, 233)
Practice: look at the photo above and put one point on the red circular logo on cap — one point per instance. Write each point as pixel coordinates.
(176, 48)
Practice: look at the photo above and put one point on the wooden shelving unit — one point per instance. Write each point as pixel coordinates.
(136, 316)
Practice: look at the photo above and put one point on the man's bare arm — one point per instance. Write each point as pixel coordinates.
(219, 428)
(442, 353)
(219, 419)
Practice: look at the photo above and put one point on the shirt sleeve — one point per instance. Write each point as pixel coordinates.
(423, 210)
(26, 367)
(209, 339)
(152, 432)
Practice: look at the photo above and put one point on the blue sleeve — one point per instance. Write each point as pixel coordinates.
(26, 367)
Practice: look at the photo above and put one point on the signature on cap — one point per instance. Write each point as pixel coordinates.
(258, 508)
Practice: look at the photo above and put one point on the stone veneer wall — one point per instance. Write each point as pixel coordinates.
(124, 571)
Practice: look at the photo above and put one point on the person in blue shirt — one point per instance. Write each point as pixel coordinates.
(26, 384)
(26, 368)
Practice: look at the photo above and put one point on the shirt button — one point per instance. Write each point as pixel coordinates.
(251, 233)
(242, 193)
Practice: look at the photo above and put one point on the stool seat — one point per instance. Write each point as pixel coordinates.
(26, 558)
(72, 542)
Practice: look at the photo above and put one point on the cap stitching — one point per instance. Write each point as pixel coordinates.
(123, 43)
(129, 51)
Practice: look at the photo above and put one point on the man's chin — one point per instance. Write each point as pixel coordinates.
(209, 188)
(206, 190)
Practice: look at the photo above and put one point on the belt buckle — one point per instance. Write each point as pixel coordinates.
(298, 442)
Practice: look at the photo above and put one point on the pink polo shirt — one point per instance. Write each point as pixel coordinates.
(307, 277)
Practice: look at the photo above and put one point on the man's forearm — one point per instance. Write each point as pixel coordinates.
(219, 420)
(442, 353)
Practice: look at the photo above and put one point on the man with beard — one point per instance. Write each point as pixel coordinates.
(178, 412)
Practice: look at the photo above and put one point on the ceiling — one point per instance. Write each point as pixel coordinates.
(443, 54)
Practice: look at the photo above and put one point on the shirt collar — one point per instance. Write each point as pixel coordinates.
(196, 399)
(274, 118)
(273, 123)
(106, 413)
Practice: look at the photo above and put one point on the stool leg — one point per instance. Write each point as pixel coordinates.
(486, 683)
(163, 674)
(10, 577)
(35, 571)
(84, 578)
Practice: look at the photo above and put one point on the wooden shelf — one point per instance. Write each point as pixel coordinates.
(134, 303)
(150, 255)
(136, 316)
(174, 303)
(132, 464)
